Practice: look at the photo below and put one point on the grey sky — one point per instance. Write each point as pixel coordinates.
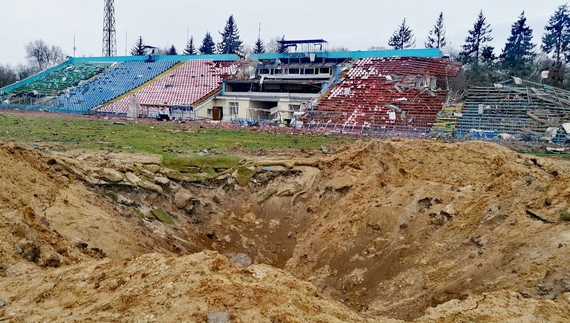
(356, 24)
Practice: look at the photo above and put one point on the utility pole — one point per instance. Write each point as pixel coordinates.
(109, 32)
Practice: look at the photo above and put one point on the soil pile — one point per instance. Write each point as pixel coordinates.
(400, 226)
(155, 288)
(382, 231)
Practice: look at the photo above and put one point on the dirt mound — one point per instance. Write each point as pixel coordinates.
(406, 229)
(400, 226)
(49, 218)
(155, 288)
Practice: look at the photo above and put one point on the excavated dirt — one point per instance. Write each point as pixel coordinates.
(380, 231)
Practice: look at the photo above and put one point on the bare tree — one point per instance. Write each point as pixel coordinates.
(273, 45)
(42, 55)
(7, 75)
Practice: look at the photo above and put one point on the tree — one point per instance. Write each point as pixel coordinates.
(556, 38)
(7, 76)
(258, 48)
(138, 48)
(475, 42)
(230, 44)
(518, 52)
(402, 37)
(172, 51)
(42, 55)
(190, 50)
(208, 45)
(436, 36)
(281, 48)
(25, 71)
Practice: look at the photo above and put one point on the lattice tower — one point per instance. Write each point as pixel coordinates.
(109, 32)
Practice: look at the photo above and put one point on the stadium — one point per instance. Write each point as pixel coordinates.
(392, 92)
(305, 184)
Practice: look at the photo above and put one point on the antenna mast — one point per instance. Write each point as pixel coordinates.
(109, 32)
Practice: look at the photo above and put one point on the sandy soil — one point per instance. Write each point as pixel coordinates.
(381, 231)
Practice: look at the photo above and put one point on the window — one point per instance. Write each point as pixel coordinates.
(263, 71)
(294, 107)
(294, 71)
(277, 71)
(209, 112)
(234, 108)
(325, 70)
(309, 71)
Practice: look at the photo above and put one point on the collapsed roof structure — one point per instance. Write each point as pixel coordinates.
(516, 109)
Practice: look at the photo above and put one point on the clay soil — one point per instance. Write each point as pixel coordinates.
(379, 231)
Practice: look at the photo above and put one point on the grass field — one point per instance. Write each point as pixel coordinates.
(167, 139)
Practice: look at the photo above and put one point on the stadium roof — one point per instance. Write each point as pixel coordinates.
(301, 41)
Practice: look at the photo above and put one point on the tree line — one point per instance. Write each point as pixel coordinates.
(230, 43)
(519, 57)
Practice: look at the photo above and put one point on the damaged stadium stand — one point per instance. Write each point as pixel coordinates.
(109, 85)
(183, 86)
(65, 77)
(381, 93)
(527, 111)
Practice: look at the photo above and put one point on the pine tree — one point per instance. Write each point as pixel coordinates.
(518, 52)
(402, 37)
(475, 42)
(281, 48)
(172, 51)
(230, 44)
(556, 38)
(138, 48)
(208, 45)
(190, 50)
(259, 48)
(436, 36)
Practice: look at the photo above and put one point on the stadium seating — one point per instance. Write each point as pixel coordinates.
(67, 76)
(388, 92)
(183, 86)
(516, 110)
(109, 85)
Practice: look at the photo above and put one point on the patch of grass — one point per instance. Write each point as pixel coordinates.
(138, 213)
(215, 161)
(244, 175)
(565, 216)
(162, 216)
(112, 195)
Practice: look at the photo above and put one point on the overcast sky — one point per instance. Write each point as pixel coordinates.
(356, 24)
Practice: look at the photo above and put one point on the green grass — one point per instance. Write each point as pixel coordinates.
(565, 216)
(244, 175)
(162, 216)
(112, 195)
(167, 139)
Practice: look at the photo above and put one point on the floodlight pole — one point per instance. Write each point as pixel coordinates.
(109, 32)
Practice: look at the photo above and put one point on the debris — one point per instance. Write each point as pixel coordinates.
(2, 303)
(241, 260)
(537, 217)
(219, 317)
(326, 150)
(268, 169)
